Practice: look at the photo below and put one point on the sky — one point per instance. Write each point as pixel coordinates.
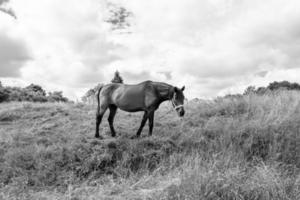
(213, 47)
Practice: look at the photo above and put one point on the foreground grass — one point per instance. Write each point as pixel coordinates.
(229, 148)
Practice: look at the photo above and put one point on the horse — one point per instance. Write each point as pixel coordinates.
(145, 96)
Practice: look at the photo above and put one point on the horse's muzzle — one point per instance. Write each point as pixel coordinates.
(181, 112)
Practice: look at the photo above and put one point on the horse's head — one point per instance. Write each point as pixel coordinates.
(178, 101)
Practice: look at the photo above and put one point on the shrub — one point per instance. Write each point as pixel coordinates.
(56, 96)
(33, 93)
(4, 94)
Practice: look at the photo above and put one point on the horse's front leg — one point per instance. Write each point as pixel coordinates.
(151, 119)
(145, 117)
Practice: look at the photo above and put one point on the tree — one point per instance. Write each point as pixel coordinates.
(274, 86)
(117, 78)
(36, 89)
(283, 85)
(118, 17)
(4, 94)
(4, 8)
(56, 96)
(249, 90)
(262, 90)
(15, 93)
(34, 93)
(90, 95)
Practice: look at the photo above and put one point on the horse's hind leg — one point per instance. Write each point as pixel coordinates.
(145, 117)
(99, 116)
(112, 114)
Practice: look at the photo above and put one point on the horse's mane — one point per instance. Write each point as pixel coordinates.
(164, 89)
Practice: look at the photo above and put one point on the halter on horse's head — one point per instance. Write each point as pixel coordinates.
(178, 101)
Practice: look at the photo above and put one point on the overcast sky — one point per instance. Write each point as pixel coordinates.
(213, 47)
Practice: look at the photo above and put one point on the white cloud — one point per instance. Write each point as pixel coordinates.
(225, 42)
(68, 40)
(211, 46)
(13, 49)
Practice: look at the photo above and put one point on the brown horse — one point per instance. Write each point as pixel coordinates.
(145, 96)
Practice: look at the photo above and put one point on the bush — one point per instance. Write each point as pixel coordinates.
(117, 78)
(32, 93)
(274, 86)
(56, 97)
(4, 94)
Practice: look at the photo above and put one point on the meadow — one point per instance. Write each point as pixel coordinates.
(233, 148)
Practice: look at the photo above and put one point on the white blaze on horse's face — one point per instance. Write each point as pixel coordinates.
(178, 101)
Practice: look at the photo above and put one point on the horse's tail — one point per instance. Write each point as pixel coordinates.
(98, 97)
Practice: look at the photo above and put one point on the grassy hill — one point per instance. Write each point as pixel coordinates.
(230, 148)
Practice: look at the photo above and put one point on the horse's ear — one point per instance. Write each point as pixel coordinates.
(176, 89)
(182, 89)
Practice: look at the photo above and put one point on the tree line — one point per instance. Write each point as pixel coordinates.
(32, 93)
(90, 96)
(35, 93)
(274, 86)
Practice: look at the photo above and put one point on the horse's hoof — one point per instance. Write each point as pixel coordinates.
(134, 137)
(99, 137)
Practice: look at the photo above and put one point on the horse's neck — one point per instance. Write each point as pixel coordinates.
(165, 91)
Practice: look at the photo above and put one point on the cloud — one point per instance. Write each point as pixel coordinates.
(137, 76)
(225, 42)
(213, 47)
(14, 54)
(69, 41)
(261, 73)
(167, 74)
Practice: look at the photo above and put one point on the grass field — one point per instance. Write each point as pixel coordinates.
(245, 148)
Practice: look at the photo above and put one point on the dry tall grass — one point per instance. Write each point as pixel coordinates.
(230, 148)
